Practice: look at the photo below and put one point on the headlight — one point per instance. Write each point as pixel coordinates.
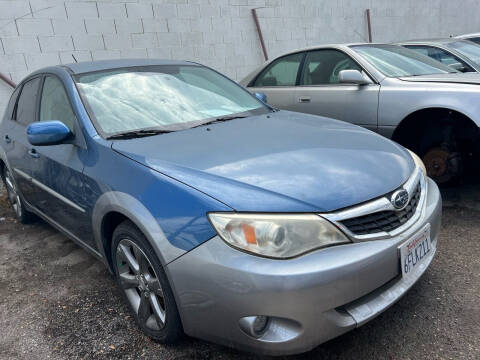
(276, 235)
(419, 163)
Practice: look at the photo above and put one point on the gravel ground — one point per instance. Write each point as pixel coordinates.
(58, 302)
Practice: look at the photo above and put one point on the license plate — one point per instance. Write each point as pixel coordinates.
(415, 251)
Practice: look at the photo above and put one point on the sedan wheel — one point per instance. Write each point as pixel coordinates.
(144, 284)
(141, 285)
(21, 213)
(12, 194)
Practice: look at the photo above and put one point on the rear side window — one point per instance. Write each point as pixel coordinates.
(54, 104)
(11, 104)
(26, 106)
(281, 72)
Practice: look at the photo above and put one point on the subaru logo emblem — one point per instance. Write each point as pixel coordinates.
(399, 199)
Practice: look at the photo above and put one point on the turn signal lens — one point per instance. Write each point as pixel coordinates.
(419, 163)
(276, 235)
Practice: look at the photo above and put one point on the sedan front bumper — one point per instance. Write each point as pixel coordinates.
(309, 299)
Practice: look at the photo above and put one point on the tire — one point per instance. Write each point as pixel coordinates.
(144, 285)
(18, 206)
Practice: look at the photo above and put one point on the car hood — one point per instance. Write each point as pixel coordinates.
(280, 162)
(458, 78)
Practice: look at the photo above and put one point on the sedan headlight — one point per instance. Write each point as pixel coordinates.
(419, 163)
(276, 235)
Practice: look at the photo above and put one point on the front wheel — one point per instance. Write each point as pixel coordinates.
(145, 285)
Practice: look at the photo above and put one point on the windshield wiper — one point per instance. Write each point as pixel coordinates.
(138, 133)
(221, 119)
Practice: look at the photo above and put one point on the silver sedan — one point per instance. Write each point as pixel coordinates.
(421, 103)
(462, 55)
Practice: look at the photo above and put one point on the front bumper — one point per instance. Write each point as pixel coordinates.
(309, 299)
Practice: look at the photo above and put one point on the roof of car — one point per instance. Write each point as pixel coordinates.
(89, 66)
(466, 36)
(337, 46)
(430, 41)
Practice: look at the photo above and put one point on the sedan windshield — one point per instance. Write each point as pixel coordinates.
(163, 97)
(397, 61)
(470, 50)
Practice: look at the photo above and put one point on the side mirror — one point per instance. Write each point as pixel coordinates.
(353, 77)
(261, 96)
(48, 133)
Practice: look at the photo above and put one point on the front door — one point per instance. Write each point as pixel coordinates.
(57, 173)
(321, 93)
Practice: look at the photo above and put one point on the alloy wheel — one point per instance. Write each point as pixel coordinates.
(141, 285)
(13, 194)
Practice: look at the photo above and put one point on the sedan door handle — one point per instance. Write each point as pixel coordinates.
(8, 140)
(33, 153)
(305, 99)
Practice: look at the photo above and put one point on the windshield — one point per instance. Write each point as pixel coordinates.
(397, 61)
(470, 50)
(169, 97)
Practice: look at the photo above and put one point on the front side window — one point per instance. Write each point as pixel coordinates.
(470, 50)
(281, 72)
(323, 66)
(25, 113)
(442, 56)
(397, 61)
(169, 97)
(54, 104)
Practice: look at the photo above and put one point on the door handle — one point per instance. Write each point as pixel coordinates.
(8, 139)
(304, 99)
(33, 153)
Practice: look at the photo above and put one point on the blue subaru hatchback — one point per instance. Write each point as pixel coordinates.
(219, 216)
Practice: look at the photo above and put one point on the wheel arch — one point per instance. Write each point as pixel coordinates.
(114, 207)
(430, 116)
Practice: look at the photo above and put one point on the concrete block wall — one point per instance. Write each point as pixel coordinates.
(218, 33)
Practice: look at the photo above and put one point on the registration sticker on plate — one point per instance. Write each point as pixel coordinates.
(414, 251)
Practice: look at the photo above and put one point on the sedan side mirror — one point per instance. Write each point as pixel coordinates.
(261, 96)
(353, 77)
(48, 133)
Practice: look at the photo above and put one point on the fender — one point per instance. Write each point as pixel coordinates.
(135, 211)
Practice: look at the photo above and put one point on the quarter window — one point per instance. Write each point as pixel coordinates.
(282, 72)
(55, 104)
(27, 103)
(323, 66)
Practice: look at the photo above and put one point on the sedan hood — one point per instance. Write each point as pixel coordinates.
(458, 78)
(280, 162)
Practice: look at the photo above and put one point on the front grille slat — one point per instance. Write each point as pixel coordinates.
(384, 221)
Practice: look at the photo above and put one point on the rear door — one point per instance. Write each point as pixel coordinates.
(278, 81)
(20, 157)
(320, 92)
(57, 173)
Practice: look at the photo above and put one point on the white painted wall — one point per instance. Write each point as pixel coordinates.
(218, 33)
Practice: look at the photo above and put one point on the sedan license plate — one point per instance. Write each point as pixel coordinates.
(415, 251)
